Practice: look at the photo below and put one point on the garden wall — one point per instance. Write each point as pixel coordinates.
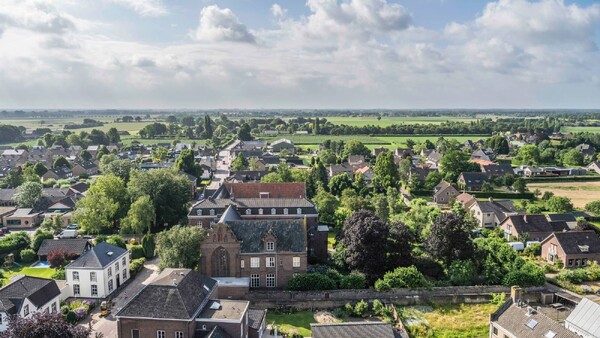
(309, 300)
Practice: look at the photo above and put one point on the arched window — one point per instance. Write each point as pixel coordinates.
(285, 211)
(273, 211)
(220, 262)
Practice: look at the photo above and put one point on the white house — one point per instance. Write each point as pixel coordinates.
(26, 296)
(98, 272)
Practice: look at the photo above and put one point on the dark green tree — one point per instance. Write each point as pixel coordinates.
(185, 162)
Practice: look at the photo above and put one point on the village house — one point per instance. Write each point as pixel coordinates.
(61, 173)
(354, 160)
(444, 193)
(342, 168)
(23, 218)
(182, 303)
(74, 246)
(282, 144)
(574, 248)
(530, 227)
(98, 272)
(594, 166)
(28, 295)
(584, 319)
(483, 154)
(497, 170)
(490, 213)
(88, 168)
(472, 181)
(586, 149)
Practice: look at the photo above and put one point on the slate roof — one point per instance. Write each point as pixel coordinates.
(571, 240)
(67, 202)
(290, 234)
(38, 290)
(500, 208)
(7, 194)
(80, 187)
(586, 317)
(256, 317)
(73, 245)
(500, 169)
(275, 190)
(219, 205)
(229, 215)
(174, 294)
(471, 178)
(216, 332)
(98, 257)
(248, 175)
(515, 320)
(561, 217)
(352, 329)
(536, 223)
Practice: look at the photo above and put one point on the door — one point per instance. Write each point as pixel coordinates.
(118, 280)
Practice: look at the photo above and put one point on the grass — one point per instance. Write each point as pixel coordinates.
(331, 239)
(385, 121)
(580, 129)
(299, 321)
(27, 271)
(580, 193)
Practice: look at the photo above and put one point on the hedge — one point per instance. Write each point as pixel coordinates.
(311, 282)
(14, 243)
(562, 179)
(136, 266)
(136, 251)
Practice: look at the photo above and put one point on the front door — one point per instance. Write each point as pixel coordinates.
(118, 280)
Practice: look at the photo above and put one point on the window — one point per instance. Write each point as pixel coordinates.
(260, 211)
(76, 290)
(116, 266)
(54, 308)
(75, 275)
(255, 262)
(160, 334)
(242, 263)
(26, 311)
(255, 281)
(248, 211)
(124, 274)
(270, 261)
(570, 262)
(178, 334)
(296, 262)
(583, 261)
(0, 319)
(109, 272)
(212, 212)
(285, 211)
(495, 330)
(199, 212)
(110, 285)
(273, 211)
(124, 261)
(299, 211)
(135, 333)
(93, 277)
(270, 280)
(94, 290)
(270, 246)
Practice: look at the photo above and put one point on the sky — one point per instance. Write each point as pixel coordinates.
(314, 54)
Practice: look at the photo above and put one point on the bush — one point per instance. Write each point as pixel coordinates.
(49, 183)
(58, 257)
(71, 317)
(549, 268)
(402, 277)
(528, 275)
(498, 298)
(117, 240)
(136, 251)
(349, 308)
(361, 308)
(14, 243)
(462, 272)
(310, 282)
(339, 313)
(353, 281)
(28, 255)
(39, 237)
(430, 267)
(59, 274)
(149, 246)
(136, 266)
(533, 250)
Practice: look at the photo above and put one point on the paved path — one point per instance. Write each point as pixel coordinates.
(222, 171)
(108, 326)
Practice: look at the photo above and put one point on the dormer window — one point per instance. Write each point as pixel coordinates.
(248, 211)
(273, 211)
(285, 211)
(270, 246)
(299, 211)
(584, 248)
(260, 211)
(199, 212)
(212, 212)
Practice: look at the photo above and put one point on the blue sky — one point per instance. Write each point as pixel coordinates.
(299, 54)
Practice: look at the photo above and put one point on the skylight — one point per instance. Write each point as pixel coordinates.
(532, 324)
(550, 334)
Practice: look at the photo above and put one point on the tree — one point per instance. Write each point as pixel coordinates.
(178, 247)
(559, 204)
(572, 157)
(499, 144)
(487, 187)
(40, 169)
(355, 147)
(102, 151)
(453, 163)
(326, 203)
(43, 324)
(113, 136)
(339, 183)
(160, 154)
(528, 154)
(58, 257)
(113, 188)
(61, 162)
(28, 194)
(399, 246)
(119, 168)
(520, 185)
(450, 238)
(385, 172)
(95, 213)
(148, 246)
(593, 207)
(208, 128)
(85, 155)
(363, 234)
(53, 224)
(185, 162)
(39, 237)
(240, 162)
(117, 240)
(403, 277)
(432, 180)
(140, 216)
(168, 190)
(462, 272)
(188, 121)
(244, 132)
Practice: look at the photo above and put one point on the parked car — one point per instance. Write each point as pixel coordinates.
(72, 226)
(5, 230)
(68, 234)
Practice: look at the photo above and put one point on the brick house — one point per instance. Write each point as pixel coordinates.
(181, 303)
(269, 253)
(534, 227)
(88, 168)
(444, 193)
(574, 248)
(472, 181)
(515, 319)
(490, 213)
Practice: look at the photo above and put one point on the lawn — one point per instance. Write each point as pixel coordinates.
(27, 271)
(580, 193)
(385, 121)
(452, 321)
(299, 321)
(580, 129)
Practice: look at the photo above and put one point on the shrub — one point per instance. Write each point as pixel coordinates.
(528, 275)
(310, 281)
(71, 317)
(49, 183)
(148, 245)
(402, 277)
(378, 307)
(430, 267)
(334, 275)
(593, 207)
(361, 308)
(28, 255)
(136, 266)
(99, 239)
(549, 268)
(498, 298)
(136, 252)
(353, 281)
(349, 308)
(462, 272)
(117, 240)
(14, 243)
(533, 250)
(58, 257)
(339, 313)
(59, 274)
(39, 237)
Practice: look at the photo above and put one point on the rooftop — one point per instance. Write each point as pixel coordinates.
(222, 309)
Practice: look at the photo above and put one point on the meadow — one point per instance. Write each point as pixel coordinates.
(580, 129)
(385, 121)
(580, 193)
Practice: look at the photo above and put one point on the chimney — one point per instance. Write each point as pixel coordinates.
(516, 294)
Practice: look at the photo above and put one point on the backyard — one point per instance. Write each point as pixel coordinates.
(27, 271)
(580, 193)
(299, 321)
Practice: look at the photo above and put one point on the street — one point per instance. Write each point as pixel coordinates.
(222, 171)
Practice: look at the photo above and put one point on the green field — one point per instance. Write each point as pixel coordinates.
(580, 129)
(298, 322)
(385, 121)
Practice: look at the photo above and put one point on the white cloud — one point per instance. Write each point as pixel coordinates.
(218, 24)
(278, 11)
(144, 7)
(35, 15)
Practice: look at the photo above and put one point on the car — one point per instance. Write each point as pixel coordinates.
(68, 234)
(5, 230)
(72, 227)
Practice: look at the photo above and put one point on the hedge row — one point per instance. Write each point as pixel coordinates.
(588, 178)
(506, 195)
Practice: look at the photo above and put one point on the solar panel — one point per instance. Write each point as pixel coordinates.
(532, 323)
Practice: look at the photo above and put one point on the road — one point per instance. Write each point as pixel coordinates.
(108, 326)
(222, 171)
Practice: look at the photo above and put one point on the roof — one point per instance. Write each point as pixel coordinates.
(216, 332)
(561, 217)
(73, 245)
(464, 197)
(535, 223)
(100, 256)
(497, 169)
(290, 235)
(586, 317)
(474, 177)
(352, 329)
(574, 242)
(256, 318)
(282, 140)
(275, 190)
(229, 215)
(516, 320)
(6, 210)
(39, 291)
(22, 212)
(174, 294)
(222, 309)
(500, 208)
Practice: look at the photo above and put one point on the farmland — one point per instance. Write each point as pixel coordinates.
(580, 193)
(385, 121)
(580, 129)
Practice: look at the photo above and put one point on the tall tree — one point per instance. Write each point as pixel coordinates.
(450, 238)
(178, 247)
(95, 213)
(244, 132)
(240, 162)
(399, 246)
(208, 128)
(61, 162)
(385, 172)
(28, 194)
(113, 188)
(113, 136)
(355, 147)
(453, 163)
(339, 183)
(140, 217)
(185, 162)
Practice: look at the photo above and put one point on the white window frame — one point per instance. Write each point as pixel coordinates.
(54, 308)
(124, 274)
(178, 334)
(199, 212)
(116, 266)
(110, 271)
(110, 285)
(285, 211)
(93, 276)
(270, 246)
(296, 262)
(299, 211)
(271, 281)
(255, 262)
(260, 211)
(254, 278)
(26, 310)
(270, 262)
(212, 212)
(242, 264)
(75, 275)
(248, 211)
(76, 290)
(161, 334)
(273, 211)
(92, 286)
(124, 261)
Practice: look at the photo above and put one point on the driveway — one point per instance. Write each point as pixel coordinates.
(108, 326)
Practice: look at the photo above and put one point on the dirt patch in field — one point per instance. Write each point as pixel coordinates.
(580, 193)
